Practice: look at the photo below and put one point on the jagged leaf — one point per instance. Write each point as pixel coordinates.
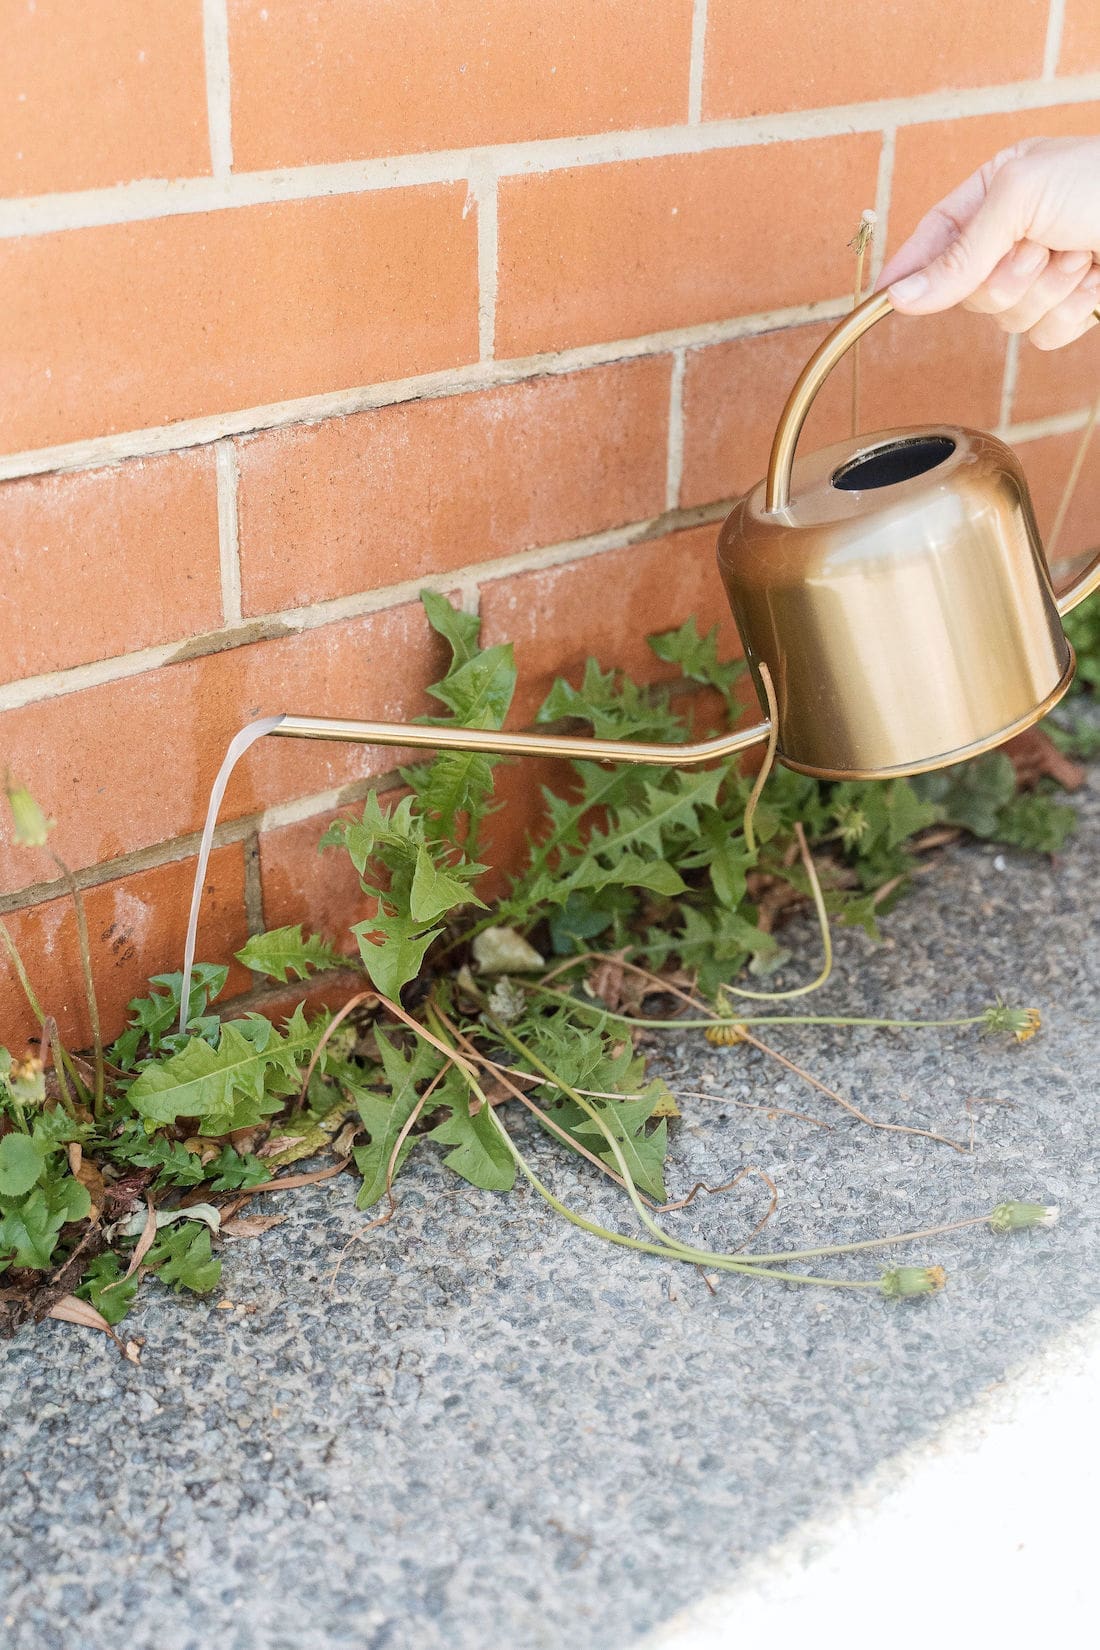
(230, 1087)
(30, 1226)
(436, 890)
(697, 656)
(460, 629)
(182, 1258)
(394, 958)
(386, 1115)
(479, 1155)
(644, 1153)
(281, 952)
(154, 1018)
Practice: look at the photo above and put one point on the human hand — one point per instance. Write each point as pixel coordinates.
(1019, 240)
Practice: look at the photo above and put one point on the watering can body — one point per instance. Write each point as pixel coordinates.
(896, 589)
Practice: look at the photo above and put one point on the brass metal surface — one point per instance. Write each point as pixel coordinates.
(416, 736)
(896, 587)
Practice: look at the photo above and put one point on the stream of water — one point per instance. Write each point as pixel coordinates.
(237, 747)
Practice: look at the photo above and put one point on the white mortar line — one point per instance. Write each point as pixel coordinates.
(675, 466)
(1056, 18)
(478, 375)
(294, 812)
(883, 189)
(294, 620)
(289, 621)
(698, 53)
(229, 556)
(1008, 382)
(215, 33)
(1034, 429)
(484, 193)
(162, 197)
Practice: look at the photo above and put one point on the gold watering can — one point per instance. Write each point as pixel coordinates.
(892, 587)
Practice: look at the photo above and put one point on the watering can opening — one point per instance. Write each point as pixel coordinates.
(893, 461)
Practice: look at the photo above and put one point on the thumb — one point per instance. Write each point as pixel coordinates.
(969, 260)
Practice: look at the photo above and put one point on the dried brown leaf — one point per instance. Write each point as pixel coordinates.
(144, 1244)
(90, 1177)
(1035, 756)
(279, 1143)
(250, 1226)
(71, 1309)
(615, 985)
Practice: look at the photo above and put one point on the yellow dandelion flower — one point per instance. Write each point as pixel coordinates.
(726, 1036)
(1032, 1021)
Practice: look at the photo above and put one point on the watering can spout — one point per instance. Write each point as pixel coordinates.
(492, 742)
(418, 736)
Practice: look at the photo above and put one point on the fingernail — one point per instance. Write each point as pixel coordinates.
(1030, 259)
(1091, 283)
(911, 288)
(1072, 263)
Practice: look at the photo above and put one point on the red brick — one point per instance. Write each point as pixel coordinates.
(945, 369)
(104, 562)
(354, 78)
(1080, 53)
(930, 159)
(130, 763)
(606, 606)
(1056, 380)
(100, 94)
(615, 251)
(520, 811)
(136, 926)
(426, 486)
(320, 890)
(910, 373)
(232, 309)
(733, 396)
(804, 54)
(1046, 463)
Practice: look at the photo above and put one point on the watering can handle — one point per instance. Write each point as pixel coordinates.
(821, 363)
(813, 375)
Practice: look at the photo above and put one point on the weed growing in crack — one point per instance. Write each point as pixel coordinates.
(641, 887)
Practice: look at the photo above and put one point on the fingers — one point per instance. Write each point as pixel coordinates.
(1019, 307)
(1011, 280)
(936, 230)
(957, 272)
(1071, 318)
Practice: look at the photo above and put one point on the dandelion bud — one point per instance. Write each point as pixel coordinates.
(31, 825)
(726, 1036)
(1021, 1023)
(903, 1281)
(1018, 1217)
(25, 1080)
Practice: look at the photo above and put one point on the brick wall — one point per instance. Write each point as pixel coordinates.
(306, 305)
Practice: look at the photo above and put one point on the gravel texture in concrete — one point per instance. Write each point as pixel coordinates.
(493, 1431)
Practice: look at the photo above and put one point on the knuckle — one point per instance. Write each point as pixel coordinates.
(955, 258)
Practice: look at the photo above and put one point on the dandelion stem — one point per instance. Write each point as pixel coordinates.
(36, 1007)
(860, 244)
(682, 1251)
(1072, 479)
(741, 1019)
(89, 980)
